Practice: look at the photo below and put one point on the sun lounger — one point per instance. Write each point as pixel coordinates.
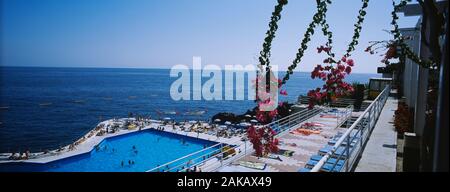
(332, 168)
(304, 169)
(287, 153)
(340, 151)
(330, 160)
(252, 165)
(274, 157)
(328, 116)
(311, 163)
(335, 167)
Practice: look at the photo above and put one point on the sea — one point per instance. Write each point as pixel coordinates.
(45, 108)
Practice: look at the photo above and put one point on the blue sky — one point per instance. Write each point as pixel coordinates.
(163, 33)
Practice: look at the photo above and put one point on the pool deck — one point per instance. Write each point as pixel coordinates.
(304, 146)
(89, 144)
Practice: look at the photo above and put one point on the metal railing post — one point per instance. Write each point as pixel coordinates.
(347, 158)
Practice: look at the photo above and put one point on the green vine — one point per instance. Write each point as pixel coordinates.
(264, 58)
(320, 18)
(355, 39)
(317, 19)
(404, 48)
(358, 28)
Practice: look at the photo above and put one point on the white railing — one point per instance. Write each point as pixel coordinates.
(354, 139)
(293, 120)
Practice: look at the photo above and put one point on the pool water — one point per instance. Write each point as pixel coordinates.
(147, 149)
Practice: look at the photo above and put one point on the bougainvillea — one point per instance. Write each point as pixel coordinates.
(333, 71)
(266, 98)
(263, 140)
(263, 84)
(333, 74)
(397, 48)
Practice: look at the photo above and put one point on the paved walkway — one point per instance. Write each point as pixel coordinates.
(381, 150)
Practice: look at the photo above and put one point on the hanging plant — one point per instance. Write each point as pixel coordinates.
(333, 71)
(317, 18)
(405, 50)
(264, 58)
(263, 97)
(263, 140)
(389, 49)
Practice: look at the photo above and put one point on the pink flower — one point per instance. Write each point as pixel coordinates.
(319, 49)
(341, 68)
(283, 92)
(344, 59)
(350, 62)
(348, 70)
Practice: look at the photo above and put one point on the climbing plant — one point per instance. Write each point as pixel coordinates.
(333, 71)
(317, 19)
(264, 58)
(397, 48)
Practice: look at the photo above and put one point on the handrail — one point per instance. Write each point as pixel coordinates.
(381, 98)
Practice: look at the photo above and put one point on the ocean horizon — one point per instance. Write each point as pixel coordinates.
(48, 107)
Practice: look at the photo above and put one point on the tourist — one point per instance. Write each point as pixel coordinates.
(122, 163)
(27, 154)
(13, 155)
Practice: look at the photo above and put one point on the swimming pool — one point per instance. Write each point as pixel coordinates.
(134, 152)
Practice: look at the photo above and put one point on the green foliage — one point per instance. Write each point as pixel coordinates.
(264, 58)
(317, 19)
(406, 51)
(320, 19)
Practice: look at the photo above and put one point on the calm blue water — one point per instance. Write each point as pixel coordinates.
(44, 108)
(146, 155)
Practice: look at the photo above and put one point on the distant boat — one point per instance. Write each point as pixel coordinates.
(4, 108)
(166, 112)
(45, 104)
(79, 101)
(170, 112)
(194, 112)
